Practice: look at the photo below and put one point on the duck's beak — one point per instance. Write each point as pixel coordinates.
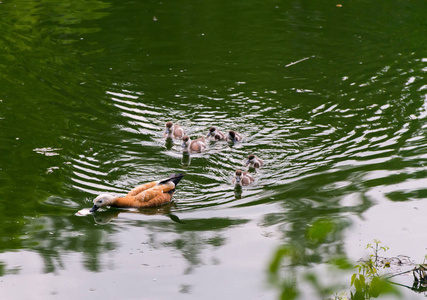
(94, 208)
(248, 162)
(209, 134)
(183, 145)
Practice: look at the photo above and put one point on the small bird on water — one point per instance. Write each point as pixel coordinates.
(242, 178)
(233, 136)
(254, 161)
(150, 194)
(194, 146)
(173, 131)
(215, 135)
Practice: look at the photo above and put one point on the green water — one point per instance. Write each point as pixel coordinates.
(332, 98)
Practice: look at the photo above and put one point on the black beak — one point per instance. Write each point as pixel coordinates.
(94, 208)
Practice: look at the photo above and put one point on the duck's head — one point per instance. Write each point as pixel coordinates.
(168, 126)
(232, 135)
(238, 176)
(250, 160)
(212, 131)
(185, 142)
(101, 201)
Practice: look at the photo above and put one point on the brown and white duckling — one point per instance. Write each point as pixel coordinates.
(242, 178)
(150, 194)
(254, 161)
(233, 136)
(173, 131)
(215, 135)
(197, 145)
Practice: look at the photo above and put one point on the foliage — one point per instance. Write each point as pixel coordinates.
(366, 283)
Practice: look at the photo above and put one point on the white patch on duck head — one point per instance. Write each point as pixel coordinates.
(102, 201)
(169, 128)
(212, 131)
(185, 143)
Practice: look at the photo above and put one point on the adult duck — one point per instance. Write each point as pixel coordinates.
(215, 135)
(195, 146)
(242, 178)
(150, 194)
(174, 131)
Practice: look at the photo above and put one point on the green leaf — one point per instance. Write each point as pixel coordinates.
(380, 286)
(358, 285)
(353, 277)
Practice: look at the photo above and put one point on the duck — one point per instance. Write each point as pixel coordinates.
(233, 136)
(254, 161)
(173, 131)
(215, 135)
(150, 194)
(242, 178)
(197, 145)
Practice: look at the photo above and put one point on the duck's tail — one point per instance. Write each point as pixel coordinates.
(175, 178)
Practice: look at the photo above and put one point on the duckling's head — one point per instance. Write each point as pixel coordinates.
(168, 127)
(185, 142)
(101, 201)
(238, 176)
(251, 158)
(232, 135)
(212, 131)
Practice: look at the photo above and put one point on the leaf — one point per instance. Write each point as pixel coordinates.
(380, 286)
(353, 277)
(357, 285)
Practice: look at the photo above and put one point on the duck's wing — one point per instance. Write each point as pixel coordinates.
(149, 198)
(160, 199)
(140, 188)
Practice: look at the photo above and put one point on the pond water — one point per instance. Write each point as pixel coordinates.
(331, 95)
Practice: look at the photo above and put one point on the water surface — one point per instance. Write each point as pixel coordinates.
(332, 98)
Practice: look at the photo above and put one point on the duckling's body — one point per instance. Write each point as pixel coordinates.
(194, 146)
(173, 131)
(151, 194)
(242, 178)
(215, 135)
(233, 136)
(254, 161)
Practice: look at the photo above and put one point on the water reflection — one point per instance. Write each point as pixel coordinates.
(83, 113)
(186, 159)
(105, 217)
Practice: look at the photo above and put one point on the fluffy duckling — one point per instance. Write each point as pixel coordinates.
(242, 178)
(215, 135)
(254, 161)
(150, 194)
(173, 131)
(233, 136)
(188, 145)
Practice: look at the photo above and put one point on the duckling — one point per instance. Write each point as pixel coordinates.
(150, 194)
(197, 145)
(254, 161)
(215, 135)
(233, 136)
(242, 178)
(173, 131)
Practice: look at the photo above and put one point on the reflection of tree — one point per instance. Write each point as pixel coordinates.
(36, 59)
(192, 237)
(52, 237)
(192, 240)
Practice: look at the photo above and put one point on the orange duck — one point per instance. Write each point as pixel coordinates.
(150, 194)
